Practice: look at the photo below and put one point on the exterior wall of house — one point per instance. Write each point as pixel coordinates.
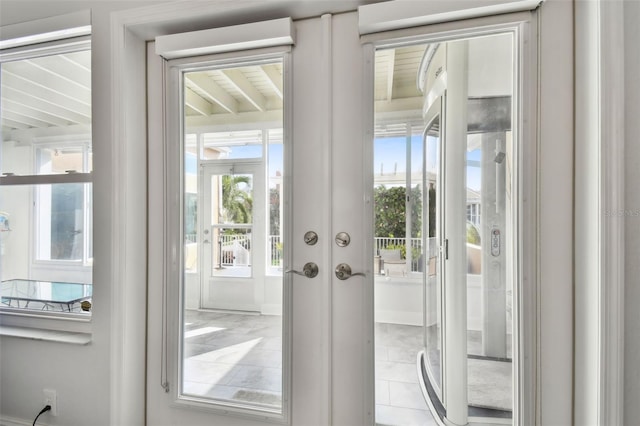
(632, 221)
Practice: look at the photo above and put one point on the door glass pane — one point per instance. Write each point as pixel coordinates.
(400, 250)
(232, 334)
(488, 226)
(275, 245)
(443, 229)
(232, 145)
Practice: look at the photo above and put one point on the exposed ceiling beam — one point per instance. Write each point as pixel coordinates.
(244, 86)
(194, 101)
(14, 86)
(83, 58)
(62, 85)
(31, 122)
(47, 107)
(399, 105)
(13, 124)
(76, 132)
(77, 62)
(273, 77)
(62, 69)
(240, 121)
(214, 92)
(35, 113)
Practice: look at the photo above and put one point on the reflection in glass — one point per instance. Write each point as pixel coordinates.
(232, 336)
(433, 231)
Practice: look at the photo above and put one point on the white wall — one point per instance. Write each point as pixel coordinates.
(80, 374)
(632, 225)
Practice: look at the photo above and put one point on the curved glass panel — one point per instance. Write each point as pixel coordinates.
(432, 240)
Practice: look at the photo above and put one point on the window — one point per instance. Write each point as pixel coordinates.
(46, 188)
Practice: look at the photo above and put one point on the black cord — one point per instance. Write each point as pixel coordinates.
(44, 410)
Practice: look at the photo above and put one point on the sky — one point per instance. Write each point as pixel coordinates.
(389, 154)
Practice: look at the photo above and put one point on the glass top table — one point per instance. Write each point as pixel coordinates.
(44, 295)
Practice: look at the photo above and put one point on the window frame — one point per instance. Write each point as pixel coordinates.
(41, 45)
(84, 143)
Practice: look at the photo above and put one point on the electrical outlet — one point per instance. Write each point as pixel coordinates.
(51, 399)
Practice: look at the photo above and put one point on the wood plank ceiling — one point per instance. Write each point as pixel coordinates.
(50, 91)
(55, 91)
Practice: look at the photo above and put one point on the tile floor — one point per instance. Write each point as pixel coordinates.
(234, 357)
(237, 357)
(399, 399)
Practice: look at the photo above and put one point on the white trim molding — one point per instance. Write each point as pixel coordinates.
(599, 213)
(276, 32)
(43, 30)
(393, 15)
(612, 137)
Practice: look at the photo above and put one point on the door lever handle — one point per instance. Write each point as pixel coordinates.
(309, 270)
(343, 272)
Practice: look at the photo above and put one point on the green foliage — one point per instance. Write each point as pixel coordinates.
(390, 211)
(402, 247)
(236, 200)
(415, 251)
(473, 236)
(274, 211)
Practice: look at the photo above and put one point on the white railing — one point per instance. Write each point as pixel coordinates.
(415, 250)
(230, 244)
(275, 250)
(234, 250)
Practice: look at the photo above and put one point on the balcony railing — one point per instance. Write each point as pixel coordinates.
(274, 249)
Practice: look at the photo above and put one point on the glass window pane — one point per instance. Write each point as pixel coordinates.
(46, 230)
(46, 270)
(232, 224)
(46, 115)
(275, 245)
(232, 145)
(399, 257)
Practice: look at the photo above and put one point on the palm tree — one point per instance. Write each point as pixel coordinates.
(237, 201)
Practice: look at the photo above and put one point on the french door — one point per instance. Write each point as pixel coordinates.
(270, 306)
(260, 316)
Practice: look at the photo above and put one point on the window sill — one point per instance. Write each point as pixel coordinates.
(75, 338)
(39, 324)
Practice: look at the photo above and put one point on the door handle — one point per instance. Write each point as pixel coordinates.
(343, 272)
(309, 270)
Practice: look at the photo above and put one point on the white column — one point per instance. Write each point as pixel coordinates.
(455, 217)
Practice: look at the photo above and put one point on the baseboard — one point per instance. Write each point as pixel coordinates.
(271, 309)
(10, 421)
(398, 317)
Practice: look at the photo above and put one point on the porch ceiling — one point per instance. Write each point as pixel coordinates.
(55, 92)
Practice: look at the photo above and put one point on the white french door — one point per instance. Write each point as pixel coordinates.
(267, 314)
(254, 324)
